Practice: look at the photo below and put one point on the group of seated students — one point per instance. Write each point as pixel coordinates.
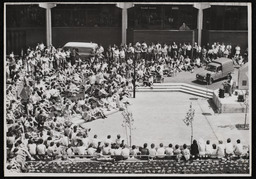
(74, 144)
(47, 88)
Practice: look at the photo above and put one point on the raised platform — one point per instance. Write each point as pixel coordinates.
(178, 87)
(228, 104)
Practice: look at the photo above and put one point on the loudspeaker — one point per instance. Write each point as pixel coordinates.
(221, 93)
(240, 98)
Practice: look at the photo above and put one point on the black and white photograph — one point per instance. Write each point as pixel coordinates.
(127, 88)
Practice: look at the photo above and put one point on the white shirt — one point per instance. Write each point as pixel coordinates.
(32, 149)
(118, 151)
(229, 148)
(125, 152)
(160, 151)
(169, 151)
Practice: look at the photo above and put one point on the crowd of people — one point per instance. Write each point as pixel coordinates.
(47, 88)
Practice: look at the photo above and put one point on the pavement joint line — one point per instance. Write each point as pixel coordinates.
(207, 121)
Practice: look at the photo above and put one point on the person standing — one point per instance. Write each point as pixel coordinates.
(189, 50)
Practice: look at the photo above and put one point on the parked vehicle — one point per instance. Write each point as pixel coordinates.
(84, 49)
(217, 69)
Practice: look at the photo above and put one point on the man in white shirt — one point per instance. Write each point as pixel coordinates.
(169, 150)
(95, 141)
(125, 152)
(238, 150)
(160, 152)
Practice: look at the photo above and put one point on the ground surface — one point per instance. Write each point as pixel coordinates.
(159, 118)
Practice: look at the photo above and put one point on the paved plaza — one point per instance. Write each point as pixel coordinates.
(159, 118)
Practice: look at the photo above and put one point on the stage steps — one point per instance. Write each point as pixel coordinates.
(178, 87)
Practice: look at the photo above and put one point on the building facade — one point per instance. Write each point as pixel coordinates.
(114, 23)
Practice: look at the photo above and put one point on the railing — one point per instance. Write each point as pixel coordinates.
(100, 157)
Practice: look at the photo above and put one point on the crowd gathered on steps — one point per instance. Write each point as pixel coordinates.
(47, 87)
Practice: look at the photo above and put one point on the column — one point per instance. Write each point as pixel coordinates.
(199, 25)
(200, 7)
(124, 25)
(124, 7)
(48, 7)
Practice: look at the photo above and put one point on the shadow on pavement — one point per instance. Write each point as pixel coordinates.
(198, 82)
(212, 105)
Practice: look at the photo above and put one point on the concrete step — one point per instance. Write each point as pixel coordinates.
(171, 85)
(178, 87)
(193, 92)
(210, 93)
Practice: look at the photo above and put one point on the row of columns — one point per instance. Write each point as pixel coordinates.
(124, 7)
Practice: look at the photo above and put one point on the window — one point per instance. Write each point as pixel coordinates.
(244, 82)
(86, 15)
(225, 18)
(162, 16)
(25, 16)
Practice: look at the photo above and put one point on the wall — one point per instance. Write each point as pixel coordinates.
(18, 38)
(103, 35)
(234, 37)
(162, 36)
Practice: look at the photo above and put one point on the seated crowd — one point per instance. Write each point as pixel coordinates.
(47, 88)
(75, 144)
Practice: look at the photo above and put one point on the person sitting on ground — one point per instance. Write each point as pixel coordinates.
(58, 151)
(108, 140)
(187, 64)
(125, 152)
(144, 151)
(152, 151)
(201, 148)
(81, 149)
(50, 151)
(238, 151)
(21, 155)
(32, 148)
(194, 149)
(69, 151)
(134, 151)
(95, 141)
(106, 149)
(208, 149)
(214, 151)
(112, 150)
(41, 149)
(229, 149)
(169, 151)
(221, 150)
(160, 151)
(65, 140)
(118, 139)
(91, 150)
(177, 152)
(186, 152)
